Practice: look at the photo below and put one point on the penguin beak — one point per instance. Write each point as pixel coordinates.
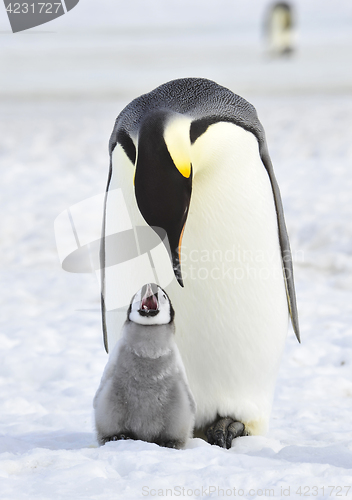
(163, 190)
(165, 211)
(149, 303)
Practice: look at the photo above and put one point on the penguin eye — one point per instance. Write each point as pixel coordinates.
(163, 298)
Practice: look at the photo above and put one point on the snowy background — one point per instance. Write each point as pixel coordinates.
(62, 85)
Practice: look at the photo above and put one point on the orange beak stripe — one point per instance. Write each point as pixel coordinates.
(180, 243)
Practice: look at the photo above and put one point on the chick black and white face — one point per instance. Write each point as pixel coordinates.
(151, 306)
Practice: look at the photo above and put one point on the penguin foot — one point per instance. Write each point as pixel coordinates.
(117, 437)
(224, 430)
(170, 444)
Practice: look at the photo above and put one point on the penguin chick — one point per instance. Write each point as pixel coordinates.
(144, 393)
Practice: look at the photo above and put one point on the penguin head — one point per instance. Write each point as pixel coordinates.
(151, 306)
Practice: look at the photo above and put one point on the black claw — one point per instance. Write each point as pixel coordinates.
(220, 431)
(210, 435)
(117, 437)
(234, 430)
(170, 444)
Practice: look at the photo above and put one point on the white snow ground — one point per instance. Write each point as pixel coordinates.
(53, 153)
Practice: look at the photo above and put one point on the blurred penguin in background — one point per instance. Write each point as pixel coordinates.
(279, 29)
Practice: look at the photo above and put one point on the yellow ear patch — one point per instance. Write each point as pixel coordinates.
(177, 140)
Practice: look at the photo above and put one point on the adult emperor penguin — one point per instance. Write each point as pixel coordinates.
(144, 393)
(191, 161)
(279, 28)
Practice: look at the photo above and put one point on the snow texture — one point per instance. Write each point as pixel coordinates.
(60, 94)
